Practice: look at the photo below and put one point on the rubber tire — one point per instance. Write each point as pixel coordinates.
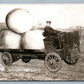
(11, 60)
(58, 58)
(75, 61)
(26, 59)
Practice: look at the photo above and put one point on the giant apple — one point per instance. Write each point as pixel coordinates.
(33, 39)
(9, 40)
(19, 20)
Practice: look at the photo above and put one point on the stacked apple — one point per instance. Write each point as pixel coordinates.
(20, 21)
(33, 40)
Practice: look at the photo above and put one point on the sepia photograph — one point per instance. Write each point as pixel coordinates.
(42, 42)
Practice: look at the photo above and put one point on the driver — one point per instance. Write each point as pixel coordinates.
(48, 30)
(51, 34)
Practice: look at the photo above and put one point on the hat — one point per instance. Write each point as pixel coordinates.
(48, 21)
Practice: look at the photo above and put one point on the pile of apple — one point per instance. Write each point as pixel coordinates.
(20, 22)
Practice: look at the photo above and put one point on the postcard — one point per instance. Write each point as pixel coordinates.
(42, 42)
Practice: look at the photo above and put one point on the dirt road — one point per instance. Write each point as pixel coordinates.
(35, 70)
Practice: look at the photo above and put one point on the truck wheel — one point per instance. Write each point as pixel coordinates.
(73, 56)
(26, 59)
(15, 57)
(6, 59)
(53, 62)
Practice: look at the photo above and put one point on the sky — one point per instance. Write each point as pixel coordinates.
(61, 15)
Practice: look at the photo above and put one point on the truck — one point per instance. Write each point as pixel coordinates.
(65, 47)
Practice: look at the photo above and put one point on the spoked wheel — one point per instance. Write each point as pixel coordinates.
(26, 59)
(6, 59)
(73, 56)
(53, 62)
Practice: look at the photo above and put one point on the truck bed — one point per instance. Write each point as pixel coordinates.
(31, 51)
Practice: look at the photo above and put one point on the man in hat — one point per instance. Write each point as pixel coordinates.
(51, 34)
(48, 30)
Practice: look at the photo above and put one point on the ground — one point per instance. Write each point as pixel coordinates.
(35, 70)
